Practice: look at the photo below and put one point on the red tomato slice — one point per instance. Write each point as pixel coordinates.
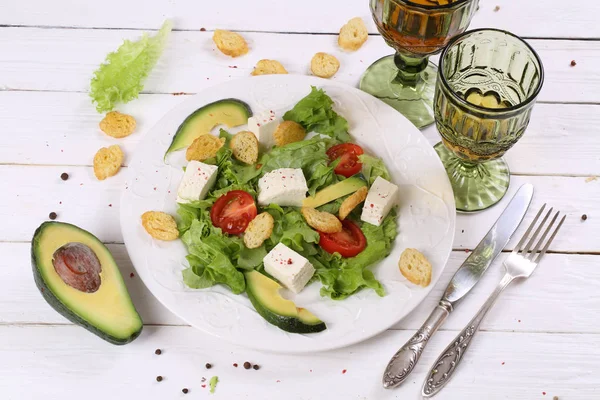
(349, 242)
(348, 154)
(233, 211)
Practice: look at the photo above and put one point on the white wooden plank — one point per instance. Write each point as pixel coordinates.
(32, 192)
(524, 18)
(69, 362)
(64, 60)
(522, 307)
(44, 123)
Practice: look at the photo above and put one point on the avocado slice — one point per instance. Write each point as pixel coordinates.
(264, 296)
(78, 277)
(230, 112)
(334, 191)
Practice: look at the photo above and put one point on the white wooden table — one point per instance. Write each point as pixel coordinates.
(541, 340)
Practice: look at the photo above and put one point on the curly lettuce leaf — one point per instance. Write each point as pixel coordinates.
(315, 113)
(342, 277)
(372, 168)
(120, 78)
(310, 155)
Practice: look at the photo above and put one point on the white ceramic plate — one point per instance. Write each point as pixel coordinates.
(426, 221)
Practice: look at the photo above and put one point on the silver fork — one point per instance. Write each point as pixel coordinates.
(519, 264)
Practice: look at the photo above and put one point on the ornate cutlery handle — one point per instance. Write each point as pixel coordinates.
(445, 366)
(404, 361)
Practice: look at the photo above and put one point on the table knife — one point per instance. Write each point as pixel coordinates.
(405, 360)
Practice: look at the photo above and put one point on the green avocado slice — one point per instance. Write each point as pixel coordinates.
(230, 112)
(264, 296)
(90, 293)
(334, 191)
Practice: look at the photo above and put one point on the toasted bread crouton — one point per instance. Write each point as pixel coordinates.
(245, 147)
(415, 267)
(353, 34)
(204, 147)
(117, 125)
(107, 162)
(324, 65)
(289, 132)
(230, 43)
(268, 67)
(259, 230)
(321, 221)
(352, 201)
(160, 225)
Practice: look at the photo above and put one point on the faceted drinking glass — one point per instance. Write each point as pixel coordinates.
(488, 82)
(416, 29)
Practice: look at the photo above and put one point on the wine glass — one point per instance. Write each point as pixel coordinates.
(416, 29)
(488, 82)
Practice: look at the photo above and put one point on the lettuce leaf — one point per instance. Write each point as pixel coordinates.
(342, 277)
(310, 155)
(120, 78)
(372, 168)
(315, 113)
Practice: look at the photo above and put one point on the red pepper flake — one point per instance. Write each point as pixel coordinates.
(110, 205)
(257, 124)
(233, 66)
(258, 166)
(235, 365)
(311, 370)
(519, 320)
(343, 371)
(131, 275)
(544, 393)
(467, 251)
(573, 63)
(289, 261)
(155, 188)
(61, 150)
(203, 386)
(278, 381)
(202, 29)
(372, 205)
(207, 78)
(502, 362)
(60, 202)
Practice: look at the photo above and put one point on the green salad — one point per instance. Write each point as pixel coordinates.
(216, 257)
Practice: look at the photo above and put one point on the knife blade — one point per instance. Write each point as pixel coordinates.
(469, 273)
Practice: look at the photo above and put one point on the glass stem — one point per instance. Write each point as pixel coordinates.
(459, 168)
(409, 69)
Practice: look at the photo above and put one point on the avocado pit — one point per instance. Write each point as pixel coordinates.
(78, 266)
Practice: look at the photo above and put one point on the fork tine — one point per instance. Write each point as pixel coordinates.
(536, 233)
(539, 243)
(538, 258)
(524, 238)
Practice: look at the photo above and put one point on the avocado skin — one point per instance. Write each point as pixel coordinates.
(55, 303)
(192, 116)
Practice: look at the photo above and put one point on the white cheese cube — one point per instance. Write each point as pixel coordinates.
(288, 267)
(263, 126)
(380, 200)
(197, 180)
(283, 186)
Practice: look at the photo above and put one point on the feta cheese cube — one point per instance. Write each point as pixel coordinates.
(291, 269)
(380, 200)
(197, 180)
(263, 126)
(283, 186)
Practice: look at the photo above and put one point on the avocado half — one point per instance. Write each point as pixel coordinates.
(230, 112)
(263, 293)
(78, 277)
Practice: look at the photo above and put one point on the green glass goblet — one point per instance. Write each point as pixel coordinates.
(488, 82)
(416, 29)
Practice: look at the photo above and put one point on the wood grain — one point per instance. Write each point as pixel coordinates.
(64, 60)
(65, 132)
(537, 366)
(522, 308)
(32, 192)
(526, 18)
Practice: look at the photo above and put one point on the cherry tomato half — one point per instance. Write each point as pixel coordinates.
(349, 242)
(348, 154)
(233, 211)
